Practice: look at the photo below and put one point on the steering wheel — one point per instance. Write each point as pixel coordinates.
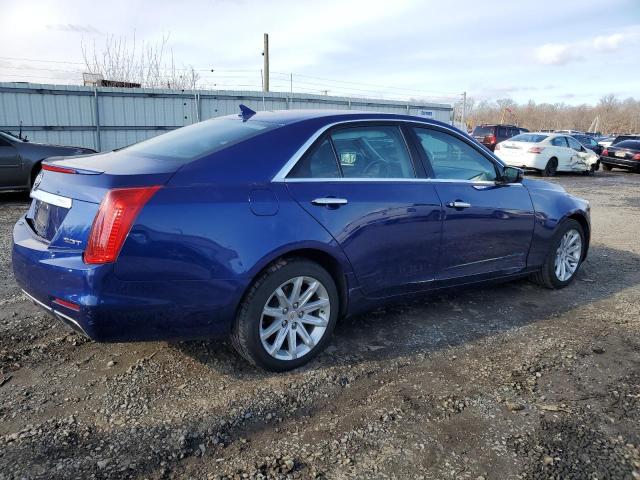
(383, 172)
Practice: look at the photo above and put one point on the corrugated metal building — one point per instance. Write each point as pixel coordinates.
(107, 118)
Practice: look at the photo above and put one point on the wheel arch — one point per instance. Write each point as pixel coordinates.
(586, 228)
(334, 264)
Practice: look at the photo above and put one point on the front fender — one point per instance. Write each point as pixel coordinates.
(553, 205)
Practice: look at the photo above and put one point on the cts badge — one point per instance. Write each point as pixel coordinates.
(72, 241)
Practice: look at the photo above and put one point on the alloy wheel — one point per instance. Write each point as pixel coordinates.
(295, 318)
(568, 255)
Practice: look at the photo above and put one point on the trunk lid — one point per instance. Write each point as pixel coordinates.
(65, 204)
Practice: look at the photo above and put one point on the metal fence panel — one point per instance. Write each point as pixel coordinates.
(108, 118)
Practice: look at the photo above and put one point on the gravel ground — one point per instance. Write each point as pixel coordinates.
(507, 381)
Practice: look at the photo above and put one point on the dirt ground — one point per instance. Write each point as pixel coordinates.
(498, 382)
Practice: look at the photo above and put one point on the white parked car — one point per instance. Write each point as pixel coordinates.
(547, 153)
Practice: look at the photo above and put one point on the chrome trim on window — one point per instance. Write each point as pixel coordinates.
(51, 198)
(281, 176)
(479, 183)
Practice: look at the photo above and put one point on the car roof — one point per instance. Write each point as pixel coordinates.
(286, 117)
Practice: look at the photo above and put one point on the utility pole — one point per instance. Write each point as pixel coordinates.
(464, 109)
(265, 54)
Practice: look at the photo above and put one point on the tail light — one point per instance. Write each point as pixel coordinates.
(636, 157)
(490, 139)
(55, 168)
(114, 219)
(535, 150)
(605, 152)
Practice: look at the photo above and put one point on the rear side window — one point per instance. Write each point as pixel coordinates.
(189, 143)
(318, 163)
(559, 142)
(502, 132)
(372, 152)
(453, 159)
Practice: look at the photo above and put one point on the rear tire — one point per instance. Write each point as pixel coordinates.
(548, 275)
(606, 167)
(272, 312)
(551, 168)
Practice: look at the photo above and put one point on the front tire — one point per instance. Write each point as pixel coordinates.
(564, 258)
(288, 315)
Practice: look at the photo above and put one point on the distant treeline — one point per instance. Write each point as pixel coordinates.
(615, 115)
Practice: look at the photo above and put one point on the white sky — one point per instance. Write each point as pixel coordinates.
(572, 51)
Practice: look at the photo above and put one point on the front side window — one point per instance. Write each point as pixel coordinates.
(573, 143)
(453, 159)
(372, 152)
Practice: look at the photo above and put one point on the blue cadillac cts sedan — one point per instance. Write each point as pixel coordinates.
(269, 227)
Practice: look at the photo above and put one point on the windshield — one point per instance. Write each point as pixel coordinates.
(528, 137)
(189, 143)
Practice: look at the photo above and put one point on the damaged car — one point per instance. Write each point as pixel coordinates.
(547, 153)
(270, 226)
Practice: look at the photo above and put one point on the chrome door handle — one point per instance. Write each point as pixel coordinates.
(458, 204)
(329, 201)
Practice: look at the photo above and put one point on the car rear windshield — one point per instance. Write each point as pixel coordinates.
(199, 139)
(631, 144)
(528, 137)
(483, 131)
(622, 138)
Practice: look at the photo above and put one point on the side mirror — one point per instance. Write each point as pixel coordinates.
(512, 175)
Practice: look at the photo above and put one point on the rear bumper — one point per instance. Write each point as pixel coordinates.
(529, 161)
(619, 162)
(113, 310)
(66, 319)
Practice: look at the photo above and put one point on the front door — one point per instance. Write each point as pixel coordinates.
(361, 184)
(487, 225)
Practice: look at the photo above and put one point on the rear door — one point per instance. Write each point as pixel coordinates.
(10, 165)
(487, 225)
(360, 182)
(561, 151)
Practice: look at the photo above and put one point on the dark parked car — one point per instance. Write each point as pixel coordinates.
(20, 160)
(624, 154)
(621, 138)
(589, 142)
(271, 226)
(491, 135)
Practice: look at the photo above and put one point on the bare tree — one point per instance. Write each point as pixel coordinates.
(615, 116)
(124, 60)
